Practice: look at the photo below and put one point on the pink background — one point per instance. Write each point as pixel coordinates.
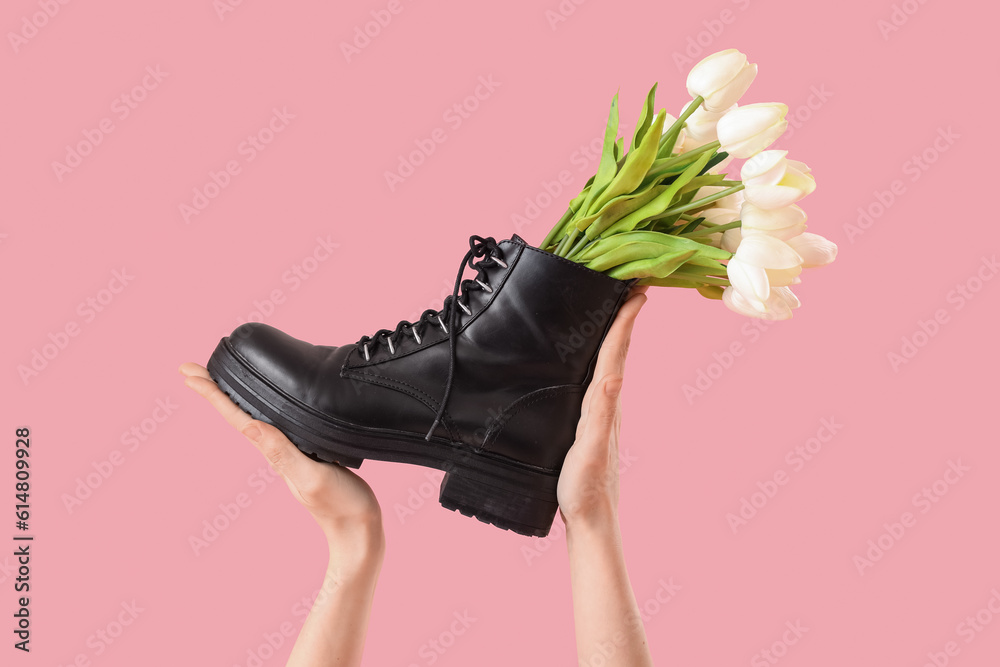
(886, 95)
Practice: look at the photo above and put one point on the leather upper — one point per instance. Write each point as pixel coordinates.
(523, 360)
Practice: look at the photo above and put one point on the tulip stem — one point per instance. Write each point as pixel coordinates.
(557, 228)
(709, 280)
(712, 229)
(701, 202)
(566, 241)
(669, 137)
(580, 245)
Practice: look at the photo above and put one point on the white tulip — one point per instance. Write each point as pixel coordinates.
(814, 249)
(783, 277)
(750, 281)
(747, 130)
(733, 201)
(759, 262)
(686, 143)
(781, 223)
(718, 216)
(765, 168)
(773, 181)
(768, 252)
(731, 239)
(777, 306)
(701, 125)
(786, 295)
(721, 79)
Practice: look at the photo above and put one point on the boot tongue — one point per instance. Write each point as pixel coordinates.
(517, 239)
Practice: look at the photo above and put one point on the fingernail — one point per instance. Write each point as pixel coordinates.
(252, 431)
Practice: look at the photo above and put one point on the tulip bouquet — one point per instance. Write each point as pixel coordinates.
(665, 211)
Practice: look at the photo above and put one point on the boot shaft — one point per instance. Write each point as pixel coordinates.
(524, 356)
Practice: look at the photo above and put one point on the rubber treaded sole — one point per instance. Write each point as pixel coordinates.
(497, 491)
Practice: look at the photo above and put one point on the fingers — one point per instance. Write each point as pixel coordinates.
(595, 437)
(611, 359)
(188, 369)
(284, 457)
(211, 392)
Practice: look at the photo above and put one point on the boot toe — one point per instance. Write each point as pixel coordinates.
(289, 364)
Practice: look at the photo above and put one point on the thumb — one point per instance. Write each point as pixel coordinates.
(285, 458)
(602, 413)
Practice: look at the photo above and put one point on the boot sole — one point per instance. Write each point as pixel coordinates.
(497, 491)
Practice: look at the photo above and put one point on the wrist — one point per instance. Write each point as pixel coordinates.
(598, 525)
(356, 548)
(593, 511)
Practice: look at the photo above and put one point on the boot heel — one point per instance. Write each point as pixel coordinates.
(521, 507)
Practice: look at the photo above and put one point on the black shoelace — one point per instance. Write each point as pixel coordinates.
(478, 247)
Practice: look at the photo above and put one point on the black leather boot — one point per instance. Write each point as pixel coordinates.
(488, 389)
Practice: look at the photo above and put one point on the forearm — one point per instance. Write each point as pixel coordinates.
(609, 628)
(335, 630)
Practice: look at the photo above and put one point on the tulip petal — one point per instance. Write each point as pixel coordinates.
(776, 307)
(725, 97)
(814, 249)
(767, 252)
(719, 215)
(783, 277)
(731, 239)
(786, 294)
(707, 191)
(801, 166)
(737, 303)
(756, 143)
(772, 196)
(775, 218)
(780, 234)
(715, 71)
(751, 281)
(798, 179)
(765, 168)
(781, 223)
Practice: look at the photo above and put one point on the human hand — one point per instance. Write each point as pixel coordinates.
(342, 503)
(588, 483)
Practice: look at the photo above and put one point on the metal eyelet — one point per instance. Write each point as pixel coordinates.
(465, 308)
(367, 356)
(443, 327)
(499, 261)
(416, 336)
(484, 286)
(392, 348)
